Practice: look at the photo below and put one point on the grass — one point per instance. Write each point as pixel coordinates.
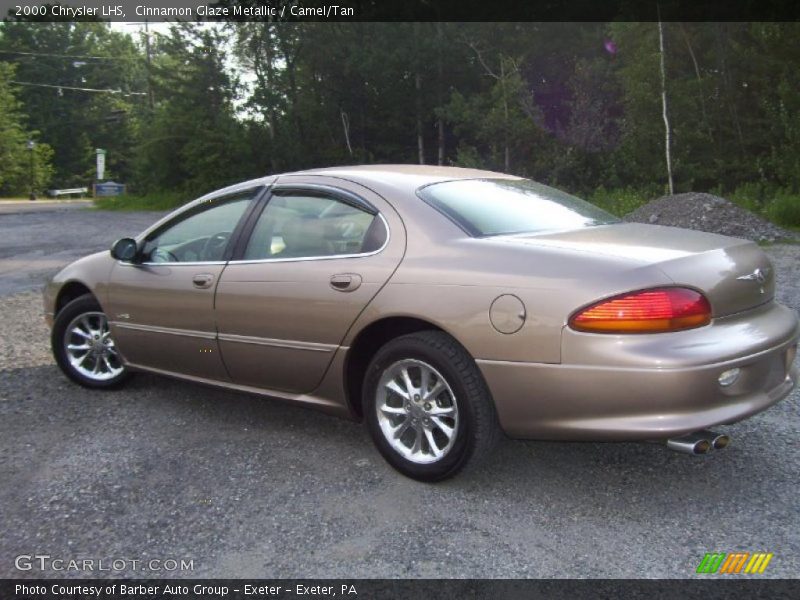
(779, 205)
(621, 201)
(785, 210)
(155, 201)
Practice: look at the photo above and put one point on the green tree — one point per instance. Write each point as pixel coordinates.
(16, 160)
(193, 142)
(86, 55)
(573, 104)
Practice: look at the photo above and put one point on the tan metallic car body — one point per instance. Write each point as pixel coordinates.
(279, 327)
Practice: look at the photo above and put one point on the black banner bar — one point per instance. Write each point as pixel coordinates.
(713, 588)
(401, 10)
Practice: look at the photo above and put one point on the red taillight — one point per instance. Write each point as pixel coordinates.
(648, 311)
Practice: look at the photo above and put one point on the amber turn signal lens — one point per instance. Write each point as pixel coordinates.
(647, 311)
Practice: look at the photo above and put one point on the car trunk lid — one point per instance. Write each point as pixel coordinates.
(734, 274)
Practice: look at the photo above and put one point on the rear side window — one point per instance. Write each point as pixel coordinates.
(298, 225)
(485, 207)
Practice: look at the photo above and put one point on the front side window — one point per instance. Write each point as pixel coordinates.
(200, 237)
(303, 225)
(486, 207)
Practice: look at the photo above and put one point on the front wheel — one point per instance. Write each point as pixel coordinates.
(427, 406)
(83, 346)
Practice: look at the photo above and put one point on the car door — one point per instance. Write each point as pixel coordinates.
(317, 254)
(162, 305)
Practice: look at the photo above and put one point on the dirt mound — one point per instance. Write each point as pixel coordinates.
(706, 212)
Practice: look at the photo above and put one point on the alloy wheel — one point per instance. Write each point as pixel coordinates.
(90, 349)
(417, 411)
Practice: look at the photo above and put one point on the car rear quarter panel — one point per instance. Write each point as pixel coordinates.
(452, 283)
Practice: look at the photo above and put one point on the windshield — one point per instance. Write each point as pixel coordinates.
(485, 207)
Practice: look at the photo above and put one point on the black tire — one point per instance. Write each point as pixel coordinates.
(478, 430)
(79, 306)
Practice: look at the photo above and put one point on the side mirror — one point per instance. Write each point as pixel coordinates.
(125, 249)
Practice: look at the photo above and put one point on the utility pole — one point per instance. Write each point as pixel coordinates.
(149, 65)
(31, 146)
(667, 135)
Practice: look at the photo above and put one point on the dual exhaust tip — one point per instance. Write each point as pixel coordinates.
(699, 442)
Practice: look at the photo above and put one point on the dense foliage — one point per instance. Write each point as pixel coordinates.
(576, 105)
(21, 167)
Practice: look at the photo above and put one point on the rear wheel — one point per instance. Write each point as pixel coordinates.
(83, 347)
(427, 406)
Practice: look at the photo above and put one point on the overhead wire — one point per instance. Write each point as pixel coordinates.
(73, 57)
(70, 56)
(78, 89)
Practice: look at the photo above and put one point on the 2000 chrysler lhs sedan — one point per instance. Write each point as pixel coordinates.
(442, 306)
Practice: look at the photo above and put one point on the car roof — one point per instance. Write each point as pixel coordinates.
(400, 178)
(393, 180)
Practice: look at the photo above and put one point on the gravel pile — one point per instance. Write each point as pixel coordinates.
(706, 212)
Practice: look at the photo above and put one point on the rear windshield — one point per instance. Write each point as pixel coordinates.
(486, 207)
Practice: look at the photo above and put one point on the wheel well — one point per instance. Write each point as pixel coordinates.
(68, 293)
(367, 343)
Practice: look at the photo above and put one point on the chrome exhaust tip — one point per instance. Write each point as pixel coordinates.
(691, 443)
(718, 440)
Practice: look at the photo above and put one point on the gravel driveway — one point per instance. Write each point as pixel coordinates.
(247, 487)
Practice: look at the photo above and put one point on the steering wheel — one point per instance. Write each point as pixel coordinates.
(215, 246)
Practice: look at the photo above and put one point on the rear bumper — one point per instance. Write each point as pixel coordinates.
(649, 387)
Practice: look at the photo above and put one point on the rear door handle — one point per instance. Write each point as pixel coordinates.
(203, 280)
(345, 282)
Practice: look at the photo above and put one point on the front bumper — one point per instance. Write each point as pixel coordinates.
(649, 387)
(49, 302)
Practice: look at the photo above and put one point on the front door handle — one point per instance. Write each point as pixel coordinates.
(203, 280)
(345, 282)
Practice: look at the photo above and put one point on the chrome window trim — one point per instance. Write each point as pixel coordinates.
(325, 257)
(172, 264)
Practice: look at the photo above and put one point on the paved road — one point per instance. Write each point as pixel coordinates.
(38, 238)
(250, 487)
(25, 206)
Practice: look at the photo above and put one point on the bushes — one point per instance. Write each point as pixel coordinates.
(780, 205)
(753, 196)
(154, 201)
(621, 201)
(785, 210)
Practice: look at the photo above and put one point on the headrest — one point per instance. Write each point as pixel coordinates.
(304, 234)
